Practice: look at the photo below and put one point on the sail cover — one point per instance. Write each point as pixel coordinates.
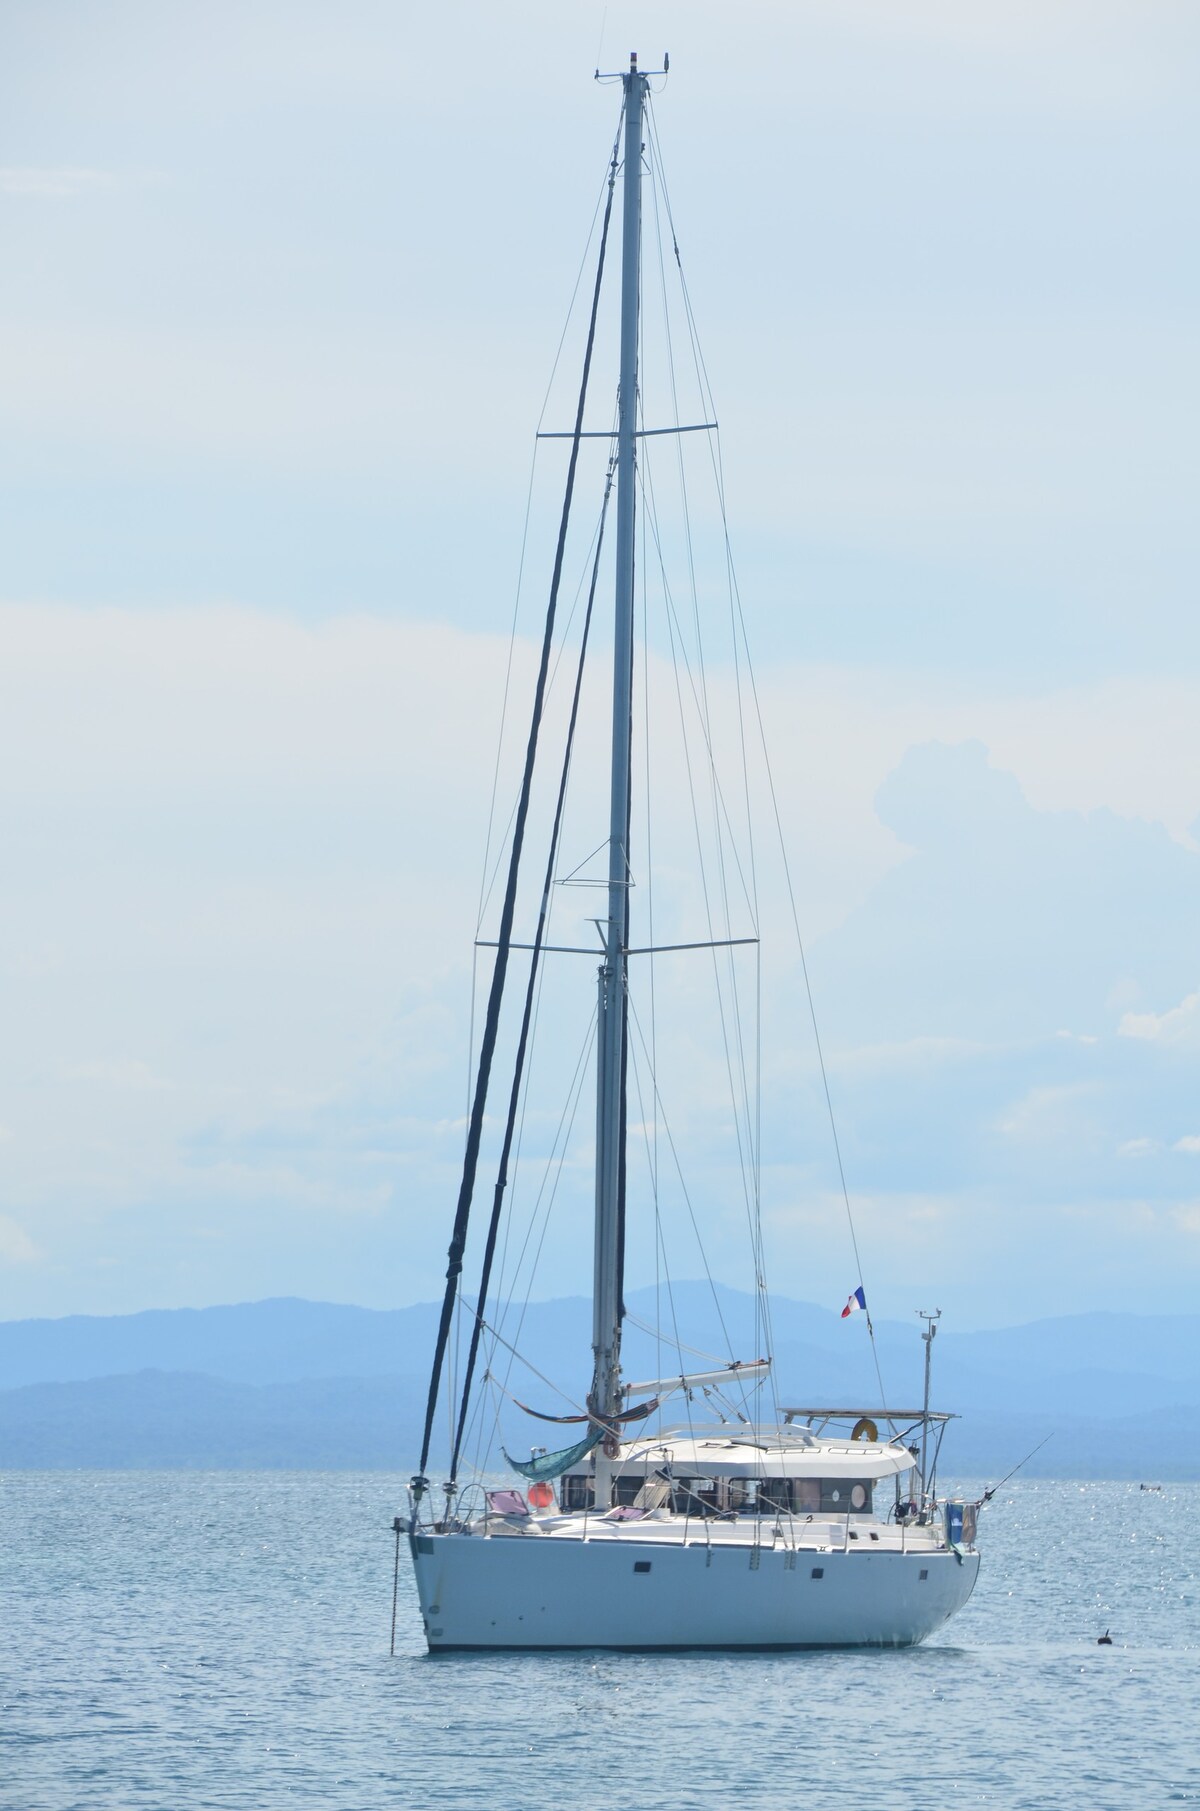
(553, 1465)
(610, 1421)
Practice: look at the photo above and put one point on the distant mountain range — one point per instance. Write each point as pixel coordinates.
(300, 1385)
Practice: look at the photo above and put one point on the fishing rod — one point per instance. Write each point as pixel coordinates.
(989, 1494)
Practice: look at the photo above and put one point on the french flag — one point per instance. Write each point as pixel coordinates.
(857, 1300)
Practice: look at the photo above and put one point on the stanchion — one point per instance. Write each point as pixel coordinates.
(397, 1524)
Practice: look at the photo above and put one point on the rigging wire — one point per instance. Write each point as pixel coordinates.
(742, 634)
(567, 1118)
(548, 882)
(726, 840)
(591, 564)
(660, 1113)
(748, 1144)
(715, 1358)
(550, 1182)
(534, 966)
(486, 885)
(652, 971)
(674, 634)
(496, 993)
(753, 1118)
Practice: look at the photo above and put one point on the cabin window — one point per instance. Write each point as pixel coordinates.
(763, 1496)
(804, 1496)
(576, 1492)
(696, 1496)
(741, 1496)
(648, 1490)
(846, 1496)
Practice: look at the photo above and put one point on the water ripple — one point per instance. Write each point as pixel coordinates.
(210, 1642)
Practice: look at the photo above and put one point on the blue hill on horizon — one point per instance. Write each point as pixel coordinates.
(310, 1384)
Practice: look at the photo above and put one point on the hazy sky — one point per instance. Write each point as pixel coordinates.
(281, 290)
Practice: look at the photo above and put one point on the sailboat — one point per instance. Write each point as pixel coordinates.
(799, 1527)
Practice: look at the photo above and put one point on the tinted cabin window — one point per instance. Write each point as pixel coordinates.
(761, 1496)
(799, 1496)
(695, 1496)
(682, 1500)
(647, 1489)
(575, 1493)
(846, 1496)
(741, 1496)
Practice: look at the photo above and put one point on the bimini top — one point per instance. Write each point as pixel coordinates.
(775, 1452)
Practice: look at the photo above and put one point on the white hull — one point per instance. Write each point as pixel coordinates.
(513, 1592)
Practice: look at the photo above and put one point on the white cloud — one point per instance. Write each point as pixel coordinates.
(251, 847)
(1190, 1144)
(128, 1073)
(16, 1247)
(52, 183)
(922, 1053)
(1139, 1147)
(1177, 1029)
(248, 849)
(1124, 995)
(1048, 1114)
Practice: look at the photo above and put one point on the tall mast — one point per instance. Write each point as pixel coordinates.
(610, 1115)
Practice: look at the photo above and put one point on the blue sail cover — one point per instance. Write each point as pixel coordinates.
(553, 1465)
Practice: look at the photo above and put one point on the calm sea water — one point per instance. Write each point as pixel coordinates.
(191, 1641)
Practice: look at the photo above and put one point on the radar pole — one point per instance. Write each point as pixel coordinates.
(931, 1319)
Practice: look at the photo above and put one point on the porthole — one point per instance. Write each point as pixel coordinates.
(835, 1495)
(858, 1496)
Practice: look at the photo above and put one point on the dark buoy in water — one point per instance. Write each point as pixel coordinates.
(1104, 1641)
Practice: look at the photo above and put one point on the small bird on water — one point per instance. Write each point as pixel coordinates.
(1104, 1641)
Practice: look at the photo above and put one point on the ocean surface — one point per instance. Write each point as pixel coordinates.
(191, 1641)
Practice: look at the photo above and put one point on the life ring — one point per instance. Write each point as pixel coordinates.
(864, 1429)
(541, 1496)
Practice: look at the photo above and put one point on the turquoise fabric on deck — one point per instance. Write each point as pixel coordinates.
(553, 1465)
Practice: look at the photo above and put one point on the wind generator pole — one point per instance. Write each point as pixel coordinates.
(931, 1317)
(606, 1294)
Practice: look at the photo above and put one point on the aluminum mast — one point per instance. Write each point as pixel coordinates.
(606, 1287)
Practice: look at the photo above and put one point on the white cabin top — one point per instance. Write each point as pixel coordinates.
(774, 1452)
